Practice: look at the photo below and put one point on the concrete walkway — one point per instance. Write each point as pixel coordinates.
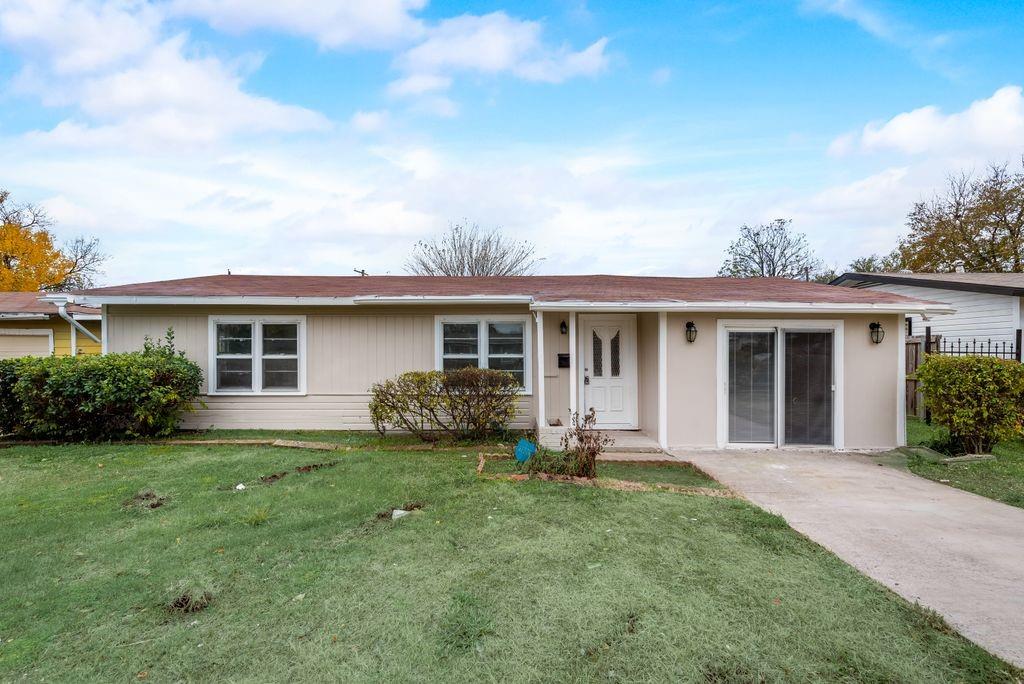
(955, 552)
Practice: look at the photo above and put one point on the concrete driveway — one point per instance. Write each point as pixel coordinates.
(955, 552)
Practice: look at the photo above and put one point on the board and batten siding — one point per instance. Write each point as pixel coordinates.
(346, 354)
(979, 315)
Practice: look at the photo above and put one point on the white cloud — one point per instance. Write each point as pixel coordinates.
(925, 47)
(130, 87)
(74, 37)
(369, 122)
(492, 44)
(332, 24)
(994, 125)
(418, 84)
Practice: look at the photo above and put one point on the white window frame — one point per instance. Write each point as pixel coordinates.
(482, 342)
(779, 326)
(257, 356)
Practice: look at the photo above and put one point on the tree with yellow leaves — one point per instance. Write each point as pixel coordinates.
(29, 259)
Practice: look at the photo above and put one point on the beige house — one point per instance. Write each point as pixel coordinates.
(678, 362)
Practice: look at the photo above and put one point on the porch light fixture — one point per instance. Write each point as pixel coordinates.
(691, 331)
(877, 332)
(563, 327)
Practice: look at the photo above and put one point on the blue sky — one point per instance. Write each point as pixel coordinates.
(301, 136)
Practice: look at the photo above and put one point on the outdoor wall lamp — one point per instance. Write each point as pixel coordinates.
(877, 332)
(691, 331)
(563, 327)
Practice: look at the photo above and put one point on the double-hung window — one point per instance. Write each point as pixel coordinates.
(257, 356)
(496, 342)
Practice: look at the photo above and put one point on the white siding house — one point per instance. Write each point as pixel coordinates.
(988, 306)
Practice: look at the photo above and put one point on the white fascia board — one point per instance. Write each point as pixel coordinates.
(447, 299)
(24, 316)
(749, 307)
(100, 300)
(297, 301)
(87, 317)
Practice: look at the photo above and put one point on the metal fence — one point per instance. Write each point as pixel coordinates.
(960, 347)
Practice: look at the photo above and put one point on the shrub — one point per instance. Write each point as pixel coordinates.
(10, 408)
(977, 398)
(582, 443)
(139, 394)
(467, 403)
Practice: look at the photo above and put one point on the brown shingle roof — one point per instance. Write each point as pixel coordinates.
(28, 303)
(590, 288)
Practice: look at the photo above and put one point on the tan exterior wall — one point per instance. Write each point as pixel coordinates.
(556, 380)
(346, 354)
(871, 380)
(647, 372)
(61, 334)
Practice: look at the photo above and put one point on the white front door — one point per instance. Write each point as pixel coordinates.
(608, 372)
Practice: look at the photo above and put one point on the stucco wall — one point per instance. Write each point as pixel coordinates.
(871, 380)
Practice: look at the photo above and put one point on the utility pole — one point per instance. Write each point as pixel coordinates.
(360, 271)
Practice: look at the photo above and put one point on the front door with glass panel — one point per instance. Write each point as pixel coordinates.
(797, 412)
(609, 370)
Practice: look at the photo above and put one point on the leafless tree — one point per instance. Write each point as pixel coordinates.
(770, 250)
(27, 216)
(86, 264)
(466, 250)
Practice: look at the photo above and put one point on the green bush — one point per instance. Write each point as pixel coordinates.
(977, 398)
(89, 398)
(467, 403)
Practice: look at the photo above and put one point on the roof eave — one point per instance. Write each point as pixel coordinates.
(935, 284)
(747, 307)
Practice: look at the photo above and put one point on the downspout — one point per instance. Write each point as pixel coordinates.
(63, 313)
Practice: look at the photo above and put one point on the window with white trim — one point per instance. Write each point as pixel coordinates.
(500, 343)
(260, 356)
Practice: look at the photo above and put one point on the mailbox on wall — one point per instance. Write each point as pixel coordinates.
(563, 360)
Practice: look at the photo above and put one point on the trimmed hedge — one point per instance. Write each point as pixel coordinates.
(91, 398)
(980, 399)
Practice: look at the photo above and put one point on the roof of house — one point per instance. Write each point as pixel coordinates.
(532, 289)
(994, 283)
(29, 303)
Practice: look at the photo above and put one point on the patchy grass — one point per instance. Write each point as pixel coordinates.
(487, 581)
(656, 473)
(1001, 479)
(352, 438)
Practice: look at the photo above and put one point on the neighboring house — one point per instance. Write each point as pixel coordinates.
(988, 306)
(685, 362)
(32, 327)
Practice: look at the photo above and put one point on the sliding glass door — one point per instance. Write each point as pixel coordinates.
(800, 406)
(807, 396)
(752, 387)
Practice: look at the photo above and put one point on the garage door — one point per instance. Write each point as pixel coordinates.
(13, 346)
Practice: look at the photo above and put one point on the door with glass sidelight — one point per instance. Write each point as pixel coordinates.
(781, 387)
(609, 375)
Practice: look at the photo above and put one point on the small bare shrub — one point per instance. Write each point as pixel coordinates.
(583, 443)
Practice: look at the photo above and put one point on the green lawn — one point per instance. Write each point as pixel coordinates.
(1001, 479)
(491, 580)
